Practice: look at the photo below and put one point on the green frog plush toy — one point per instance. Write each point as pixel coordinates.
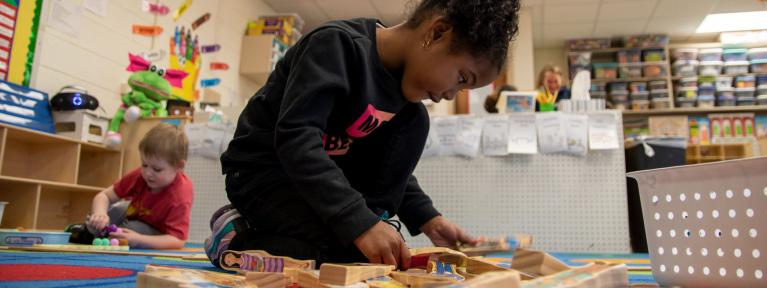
(150, 86)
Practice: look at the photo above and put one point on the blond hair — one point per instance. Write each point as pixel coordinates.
(165, 141)
(547, 68)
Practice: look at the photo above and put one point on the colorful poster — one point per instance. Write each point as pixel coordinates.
(18, 36)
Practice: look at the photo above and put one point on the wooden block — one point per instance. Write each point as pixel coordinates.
(506, 279)
(160, 276)
(260, 261)
(480, 266)
(384, 282)
(267, 279)
(532, 264)
(337, 274)
(309, 279)
(433, 250)
(195, 257)
(421, 279)
(598, 275)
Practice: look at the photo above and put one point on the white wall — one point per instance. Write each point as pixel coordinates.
(520, 63)
(96, 58)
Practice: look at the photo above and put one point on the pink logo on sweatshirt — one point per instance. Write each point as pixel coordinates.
(370, 120)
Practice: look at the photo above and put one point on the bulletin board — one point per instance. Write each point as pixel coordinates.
(568, 203)
(19, 22)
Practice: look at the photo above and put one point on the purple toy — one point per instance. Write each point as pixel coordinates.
(109, 229)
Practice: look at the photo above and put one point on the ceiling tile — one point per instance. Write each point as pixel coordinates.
(626, 10)
(347, 9)
(673, 25)
(683, 8)
(569, 13)
(561, 32)
(619, 28)
(731, 6)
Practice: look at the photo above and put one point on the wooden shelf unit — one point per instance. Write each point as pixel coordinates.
(718, 152)
(691, 111)
(49, 180)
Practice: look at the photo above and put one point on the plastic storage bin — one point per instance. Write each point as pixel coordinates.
(710, 54)
(735, 54)
(618, 86)
(725, 101)
(761, 80)
(761, 90)
(660, 103)
(688, 82)
(687, 92)
(598, 86)
(644, 41)
(654, 69)
(707, 81)
(706, 91)
(759, 66)
(746, 101)
(761, 100)
(745, 92)
(629, 56)
(619, 95)
(653, 55)
(630, 70)
(637, 86)
(605, 70)
(723, 81)
(588, 43)
(685, 54)
(711, 68)
(684, 102)
(736, 67)
(757, 53)
(657, 84)
(685, 68)
(706, 101)
(723, 194)
(659, 93)
(640, 96)
(15, 237)
(580, 58)
(745, 81)
(725, 92)
(598, 94)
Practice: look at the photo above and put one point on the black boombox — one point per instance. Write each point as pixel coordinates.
(72, 98)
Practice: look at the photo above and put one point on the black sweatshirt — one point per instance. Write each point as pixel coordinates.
(333, 121)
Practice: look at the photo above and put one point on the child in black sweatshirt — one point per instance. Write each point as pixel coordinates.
(324, 152)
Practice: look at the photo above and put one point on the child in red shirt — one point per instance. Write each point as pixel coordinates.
(160, 195)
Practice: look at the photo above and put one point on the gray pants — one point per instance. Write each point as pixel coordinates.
(117, 213)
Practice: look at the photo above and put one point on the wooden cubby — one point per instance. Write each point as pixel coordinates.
(718, 152)
(49, 181)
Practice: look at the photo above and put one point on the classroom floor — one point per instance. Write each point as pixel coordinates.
(64, 269)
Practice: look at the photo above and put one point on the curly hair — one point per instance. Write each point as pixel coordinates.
(482, 27)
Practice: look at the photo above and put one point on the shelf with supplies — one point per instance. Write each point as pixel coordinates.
(702, 153)
(640, 79)
(48, 180)
(686, 111)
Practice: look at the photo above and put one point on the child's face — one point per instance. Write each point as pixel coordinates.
(157, 173)
(434, 72)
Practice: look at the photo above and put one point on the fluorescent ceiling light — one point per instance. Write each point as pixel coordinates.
(733, 22)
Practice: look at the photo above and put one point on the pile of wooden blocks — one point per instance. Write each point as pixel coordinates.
(432, 267)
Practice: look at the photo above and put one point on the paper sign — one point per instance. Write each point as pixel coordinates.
(98, 7)
(210, 82)
(65, 17)
(447, 132)
(469, 135)
(219, 66)
(603, 131)
(195, 133)
(551, 132)
(146, 30)
(210, 48)
(523, 137)
(153, 56)
(158, 9)
(576, 128)
(495, 136)
(200, 21)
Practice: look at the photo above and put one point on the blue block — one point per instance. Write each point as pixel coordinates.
(25, 107)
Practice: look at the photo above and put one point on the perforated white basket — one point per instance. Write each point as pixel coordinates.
(707, 224)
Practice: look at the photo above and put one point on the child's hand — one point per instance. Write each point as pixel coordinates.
(127, 234)
(444, 233)
(97, 222)
(382, 244)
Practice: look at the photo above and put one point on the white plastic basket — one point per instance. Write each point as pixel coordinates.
(706, 223)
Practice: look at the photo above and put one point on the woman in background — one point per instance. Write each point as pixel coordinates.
(550, 88)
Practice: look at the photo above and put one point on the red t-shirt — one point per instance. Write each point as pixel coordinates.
(167, 210)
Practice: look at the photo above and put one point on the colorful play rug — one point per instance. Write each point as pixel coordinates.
(68, 269)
